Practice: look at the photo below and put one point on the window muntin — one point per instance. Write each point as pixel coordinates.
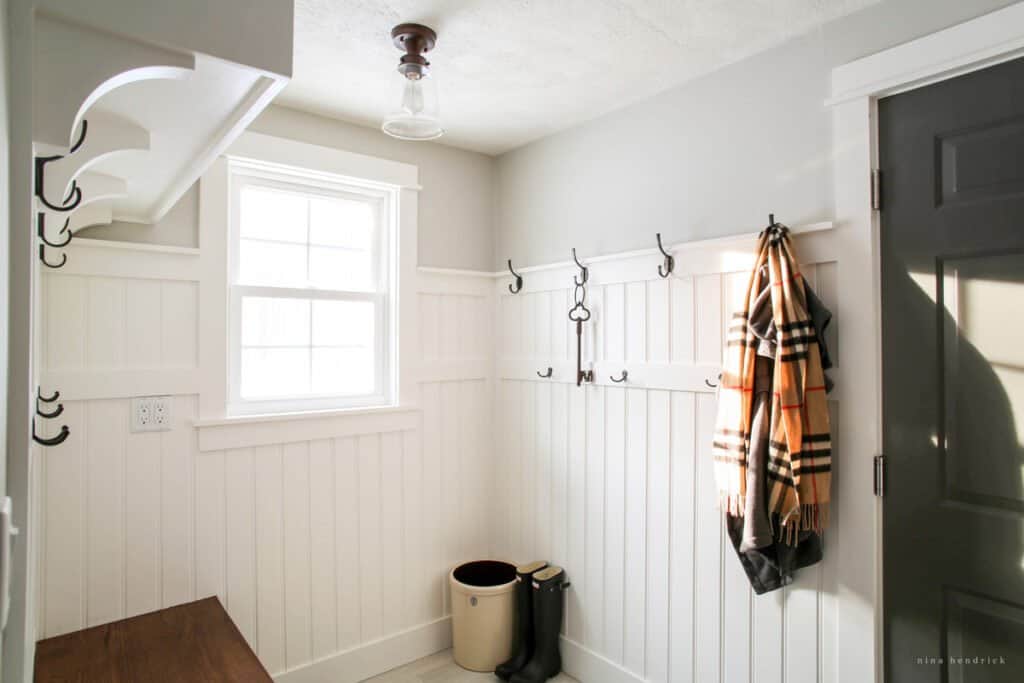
(311, 292)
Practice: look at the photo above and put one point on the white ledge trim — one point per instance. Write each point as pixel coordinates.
(266, 430)
(90, 243)
(680, 246)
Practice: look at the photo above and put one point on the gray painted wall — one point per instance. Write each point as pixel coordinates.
(709, 158)
(455, 205)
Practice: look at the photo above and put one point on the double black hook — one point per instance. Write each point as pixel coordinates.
(41, 232)
(519, 279)
(74, 195)
(670, 262)
(64, 431)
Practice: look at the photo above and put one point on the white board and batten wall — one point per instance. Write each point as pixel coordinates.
(614, 480)
(327, 538)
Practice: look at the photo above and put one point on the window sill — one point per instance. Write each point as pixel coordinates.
(245, 431)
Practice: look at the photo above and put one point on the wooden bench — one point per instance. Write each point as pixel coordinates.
(195, 642)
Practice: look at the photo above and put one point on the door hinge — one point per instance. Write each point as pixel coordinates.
(880, 475)
(876, 189)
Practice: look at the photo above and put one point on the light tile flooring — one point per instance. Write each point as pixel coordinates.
(441, 668)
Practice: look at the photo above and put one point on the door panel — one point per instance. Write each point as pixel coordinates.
(952, 158)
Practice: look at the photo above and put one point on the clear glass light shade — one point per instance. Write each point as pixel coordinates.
(416, 113)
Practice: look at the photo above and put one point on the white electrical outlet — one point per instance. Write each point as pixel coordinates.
(151, 414)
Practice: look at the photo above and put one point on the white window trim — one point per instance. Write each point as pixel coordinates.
(280, 155)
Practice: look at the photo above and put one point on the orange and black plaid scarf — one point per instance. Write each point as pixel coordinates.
(800, 449)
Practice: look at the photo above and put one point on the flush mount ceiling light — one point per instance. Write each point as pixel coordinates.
(416, 117)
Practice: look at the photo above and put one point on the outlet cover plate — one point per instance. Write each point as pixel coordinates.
(151, 414)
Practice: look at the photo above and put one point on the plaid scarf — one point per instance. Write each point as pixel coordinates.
(800, 455)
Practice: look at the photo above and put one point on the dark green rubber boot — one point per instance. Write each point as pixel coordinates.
(522, 640)
(546, 662)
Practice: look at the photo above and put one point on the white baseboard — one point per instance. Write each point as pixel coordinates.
(377, 657)
(589, 667)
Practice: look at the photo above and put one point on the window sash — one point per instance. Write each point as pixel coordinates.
(383, 298)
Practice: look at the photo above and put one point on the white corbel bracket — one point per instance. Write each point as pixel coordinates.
(101, 134)
(74, 66)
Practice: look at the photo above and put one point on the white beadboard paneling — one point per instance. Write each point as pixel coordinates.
(636, 531)
(615, 529)
(210, 530)
(240, 540)
(321, 534)
(348, 554)
(271, 626)
(392, 533)
(142, 523)
(657, 593)
(682, 524)
(295, 500)
(370, 581)
(322, 549)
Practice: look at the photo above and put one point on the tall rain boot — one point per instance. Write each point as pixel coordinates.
(522, 643)
(548, 585)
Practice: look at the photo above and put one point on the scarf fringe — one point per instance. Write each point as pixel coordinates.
(807, 517)
(732, 504)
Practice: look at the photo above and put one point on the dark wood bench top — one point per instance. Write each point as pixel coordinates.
(195, 642)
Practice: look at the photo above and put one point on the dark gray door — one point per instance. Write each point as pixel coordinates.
(952, 159)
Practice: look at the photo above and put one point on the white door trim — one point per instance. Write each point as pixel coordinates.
(981, 42)
(856, 88)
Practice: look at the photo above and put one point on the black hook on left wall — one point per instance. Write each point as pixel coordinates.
(74, 196)
(519, 279)
(48, 399)
(41, 231)
(42, 257)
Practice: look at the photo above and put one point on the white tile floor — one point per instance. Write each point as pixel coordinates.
(441, 668)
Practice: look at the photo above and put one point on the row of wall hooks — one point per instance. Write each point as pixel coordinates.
(664, 270)
(49, 415)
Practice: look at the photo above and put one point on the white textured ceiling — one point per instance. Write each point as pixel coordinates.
(512, 71)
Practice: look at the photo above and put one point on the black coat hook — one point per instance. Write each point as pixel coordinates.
(545, 375)
(52, 441)
(42, 257)
(74, 196)
(584, 273)
(713, 386)
(41, 231)
(50, 416)
(46, 399)
(670, 262)
(621, 379)
(519, 279)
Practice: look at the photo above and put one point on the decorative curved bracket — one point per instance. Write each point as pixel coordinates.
(51, 441)
(518, 277)
(670, 262)
(41, 231)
